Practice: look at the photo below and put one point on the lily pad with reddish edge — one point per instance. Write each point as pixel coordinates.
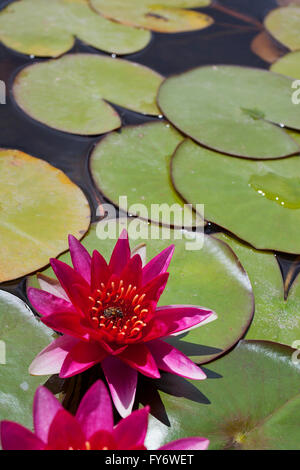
(210, 276)
(71, 93)
(275, 318)
(249, 401)
(165, 16)
(284, 25)
(131, 169)
(235, 110)
(39, 207)
(48, 28)
(22, 337)
(255, 200)
(288, 65)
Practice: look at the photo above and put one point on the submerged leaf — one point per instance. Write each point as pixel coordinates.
(266, 48)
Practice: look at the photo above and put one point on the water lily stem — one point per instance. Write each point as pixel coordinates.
(236, 14)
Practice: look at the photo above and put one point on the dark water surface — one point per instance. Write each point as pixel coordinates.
(226, 42)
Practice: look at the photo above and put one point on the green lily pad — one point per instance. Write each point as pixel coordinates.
(275, 319)
(22, 336)
(288, 65)
(39, 207)
(166, 16)
(254, 402)
(68, 93)
(211, 277)
(232, 109)
(284, 25)
(48, 28)
(135, 163)
(257, 201)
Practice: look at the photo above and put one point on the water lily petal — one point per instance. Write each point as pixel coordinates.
(81, 357)
(46, 303)
(51, 358)
(103, 440)
(158, 265)
(131, 432)
(122, 381)
(66, 323)
(65, 433)
(132, 273)
(80, 298)
(209, 319)
(99, 271)
(44, 415)
(172, 360)
(16, 437)
(67, 276)
(52, 286)
(155, 288)
(188, 443)
(120, 255)
(81, 258)
(171, 319)
(141, 250)
(95, 410)
(139, 357)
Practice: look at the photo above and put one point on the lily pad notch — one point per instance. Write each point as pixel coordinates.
(72, 93)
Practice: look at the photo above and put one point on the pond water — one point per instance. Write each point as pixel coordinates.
(226, 42)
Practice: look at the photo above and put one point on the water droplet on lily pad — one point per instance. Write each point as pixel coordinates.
(282, 190)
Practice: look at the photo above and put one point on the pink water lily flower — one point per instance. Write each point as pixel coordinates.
(108, 314)
(92, 428)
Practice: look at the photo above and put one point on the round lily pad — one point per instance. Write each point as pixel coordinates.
(48, 28)
(288, 65)
(22, 337)
(257, 201)
(232, 109)
(275, 319)
(70, 93)
(39, 207)
(250, 401)
(131, 169)
(166, 16)
(284, 25)
(210, 276)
